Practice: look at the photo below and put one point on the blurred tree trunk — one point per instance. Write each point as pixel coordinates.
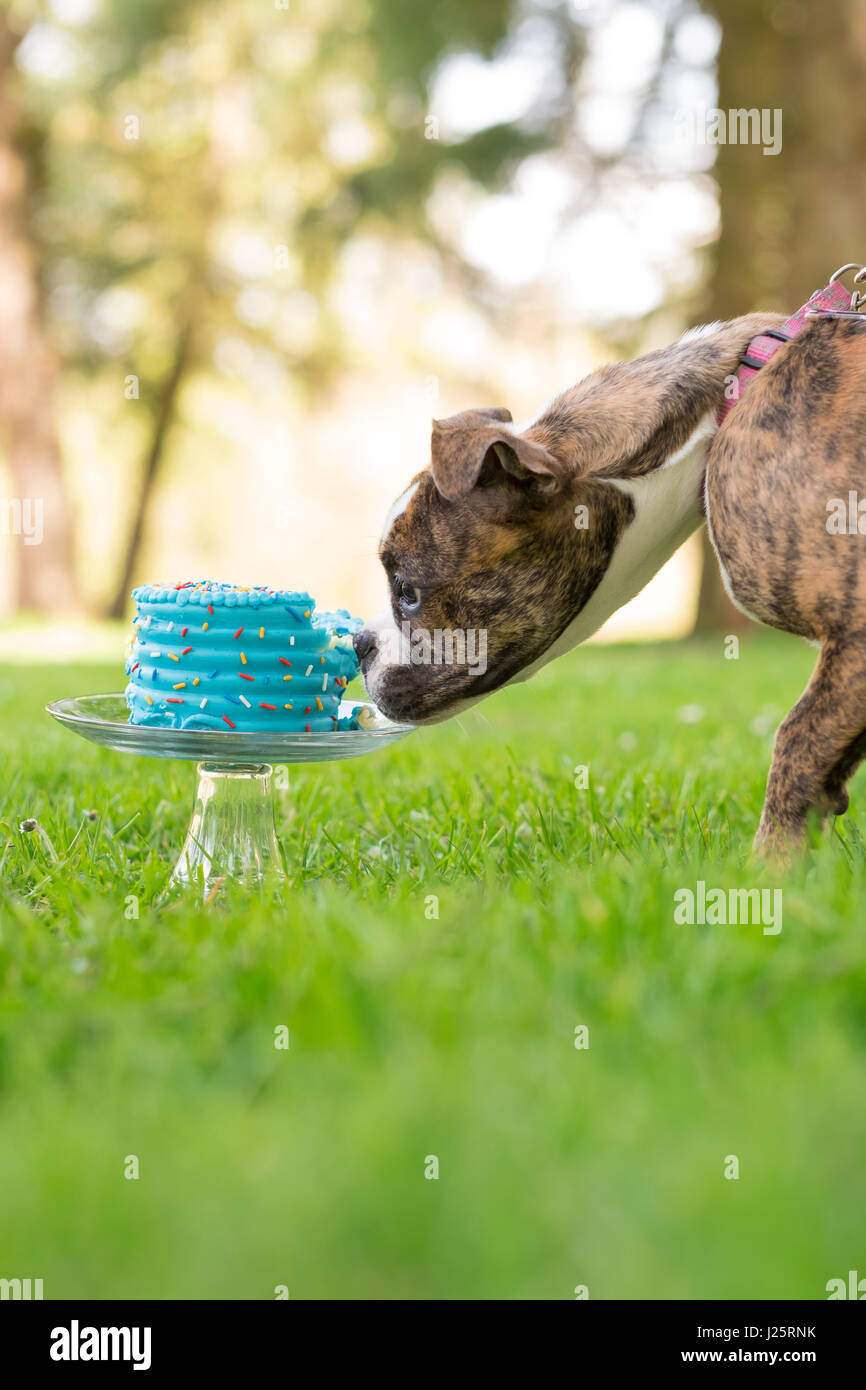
(788, 220)
(165, 414)
(28, 368)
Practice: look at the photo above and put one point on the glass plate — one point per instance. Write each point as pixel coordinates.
(105, 719)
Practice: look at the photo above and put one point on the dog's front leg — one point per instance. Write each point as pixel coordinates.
(817, 748)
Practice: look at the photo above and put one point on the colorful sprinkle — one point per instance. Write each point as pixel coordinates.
(291, 641)
(203, 703)
(285, 663)
(148, 699)
(183, 631)
(238, 633)
(308, 670)
(197, 679)
(210, 610)
(244, 658)
(287, 706)
(232, 699)
(307, 710)
(155, 654)
(135, 667)
(325, 681)
(170, 701)
(212, 674)
(287, 678)
(172, 657)
(319, 703)
(186, 651)
(226, 720)
(321, 661)
(262, 705)
(245, 701)
(261, 632)
(306, 728)
(245, 677)
(204, 627)
(181, 685)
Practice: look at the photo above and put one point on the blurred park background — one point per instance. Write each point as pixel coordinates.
(249, 247)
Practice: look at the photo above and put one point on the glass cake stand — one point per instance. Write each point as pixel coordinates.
(231, 833)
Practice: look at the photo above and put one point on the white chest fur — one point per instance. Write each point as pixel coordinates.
(667, 511)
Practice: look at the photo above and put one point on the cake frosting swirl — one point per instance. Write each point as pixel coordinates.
(207, 655)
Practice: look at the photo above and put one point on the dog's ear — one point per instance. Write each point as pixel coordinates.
(463, 444)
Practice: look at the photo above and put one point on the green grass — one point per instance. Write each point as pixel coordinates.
(415, 1035)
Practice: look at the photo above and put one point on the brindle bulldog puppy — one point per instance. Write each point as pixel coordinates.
(531, 535)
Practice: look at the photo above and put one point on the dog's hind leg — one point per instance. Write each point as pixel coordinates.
(835, 786)
(817, 748)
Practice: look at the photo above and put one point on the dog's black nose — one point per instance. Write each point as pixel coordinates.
(364, 643)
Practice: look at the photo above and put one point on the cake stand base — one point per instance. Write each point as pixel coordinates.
(232, 833)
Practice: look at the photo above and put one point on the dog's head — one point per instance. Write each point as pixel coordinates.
(494, 549)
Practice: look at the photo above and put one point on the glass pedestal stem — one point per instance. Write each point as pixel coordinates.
(232, 833)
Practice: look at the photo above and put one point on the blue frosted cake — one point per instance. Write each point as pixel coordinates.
(215, 656)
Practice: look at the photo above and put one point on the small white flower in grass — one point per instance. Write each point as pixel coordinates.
(78, 966)
(690, 714)
(31, 826)
(628, 741)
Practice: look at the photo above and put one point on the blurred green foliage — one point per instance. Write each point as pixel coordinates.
(237, 102)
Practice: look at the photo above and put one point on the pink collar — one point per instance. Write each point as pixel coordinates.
(833, 299)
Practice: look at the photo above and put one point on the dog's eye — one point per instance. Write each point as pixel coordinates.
(407, 594)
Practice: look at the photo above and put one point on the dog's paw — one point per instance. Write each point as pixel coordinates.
(776, 844)
(835, 801)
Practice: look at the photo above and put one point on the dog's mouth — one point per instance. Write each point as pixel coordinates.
(425, 694)
(409, 698)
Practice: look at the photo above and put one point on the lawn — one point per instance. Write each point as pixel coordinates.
(458, 907)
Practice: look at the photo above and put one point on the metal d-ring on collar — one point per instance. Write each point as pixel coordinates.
(857, 299)
(760, 351)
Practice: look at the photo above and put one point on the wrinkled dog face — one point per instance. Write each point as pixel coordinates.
(482, 581)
